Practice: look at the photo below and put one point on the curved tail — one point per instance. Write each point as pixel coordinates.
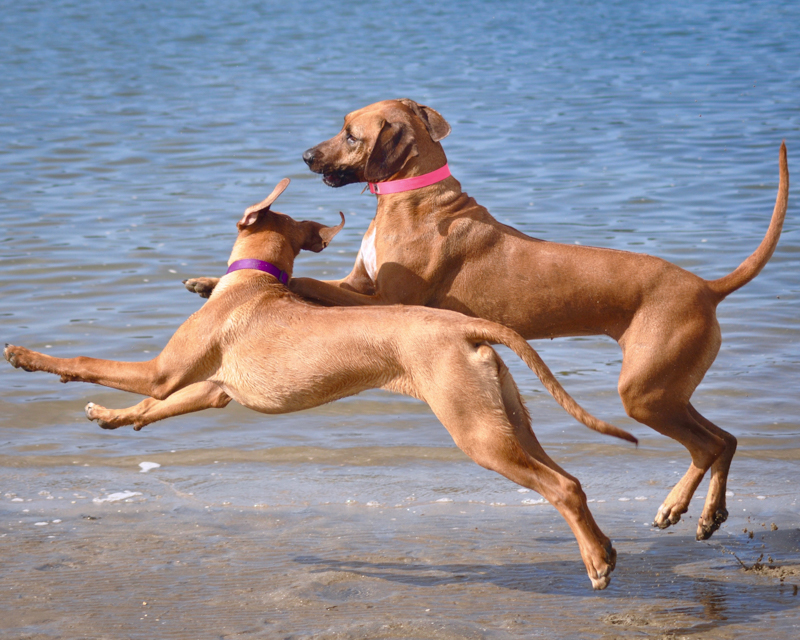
(751, 267)
(498, 334)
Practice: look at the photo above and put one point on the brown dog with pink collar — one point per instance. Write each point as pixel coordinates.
(433, 245)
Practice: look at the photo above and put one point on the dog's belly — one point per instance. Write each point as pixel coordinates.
(282, 381)
(287, 396)
(285, 401)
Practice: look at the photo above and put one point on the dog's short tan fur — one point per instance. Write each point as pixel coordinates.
(258, 343)
(437, 247)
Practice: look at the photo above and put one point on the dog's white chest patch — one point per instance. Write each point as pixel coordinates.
(368, 257)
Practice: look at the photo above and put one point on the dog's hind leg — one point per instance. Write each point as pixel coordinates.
(484, 413)
(569, 498)
(715, 511)
(677, 501)
(195, 397)
(660, 371)
(704, 446)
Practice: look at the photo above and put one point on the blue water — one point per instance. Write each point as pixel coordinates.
(133, 135)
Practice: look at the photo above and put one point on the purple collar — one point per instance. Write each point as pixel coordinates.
(252, 263)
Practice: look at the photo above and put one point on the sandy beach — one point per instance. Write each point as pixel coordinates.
(130, 554)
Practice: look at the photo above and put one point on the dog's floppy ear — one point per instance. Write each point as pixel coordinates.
(251, 213)
(318, 236)
(394, 145)
(436, 124)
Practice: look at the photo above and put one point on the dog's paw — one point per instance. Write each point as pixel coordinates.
(602, 574)
(100, 415)
(707, 526)
(9, 355)
(18, 357)
(667, 516)
(203, 287)
(598, 584)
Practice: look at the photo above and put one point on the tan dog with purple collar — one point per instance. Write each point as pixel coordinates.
(258, 343)
(431, 244)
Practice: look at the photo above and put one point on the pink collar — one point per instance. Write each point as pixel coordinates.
(409, 184)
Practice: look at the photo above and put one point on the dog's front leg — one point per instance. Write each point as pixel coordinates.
(144, 378)
(195, 397)
(333, 293)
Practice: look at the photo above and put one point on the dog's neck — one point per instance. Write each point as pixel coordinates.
(430, 159)
(436, 201)
(268, 247)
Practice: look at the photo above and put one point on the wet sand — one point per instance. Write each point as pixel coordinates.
(88, 560)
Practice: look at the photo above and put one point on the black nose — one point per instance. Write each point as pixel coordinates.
(308, 156)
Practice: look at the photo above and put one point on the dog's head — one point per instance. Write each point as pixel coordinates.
(278, 232)
(381, 141)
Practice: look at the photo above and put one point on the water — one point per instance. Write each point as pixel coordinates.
(132, 136)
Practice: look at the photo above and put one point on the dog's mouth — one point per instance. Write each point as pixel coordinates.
(339, 178)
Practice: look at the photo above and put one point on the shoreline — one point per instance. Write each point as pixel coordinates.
(333, 572)
(423, 568)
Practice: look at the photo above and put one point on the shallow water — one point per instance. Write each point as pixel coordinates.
(132, 137)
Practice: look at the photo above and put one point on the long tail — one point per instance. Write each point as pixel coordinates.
(498, 334)
(751, 267)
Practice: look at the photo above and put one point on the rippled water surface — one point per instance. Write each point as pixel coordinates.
(132, 136)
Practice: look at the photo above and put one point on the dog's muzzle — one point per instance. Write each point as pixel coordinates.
(331, 177)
